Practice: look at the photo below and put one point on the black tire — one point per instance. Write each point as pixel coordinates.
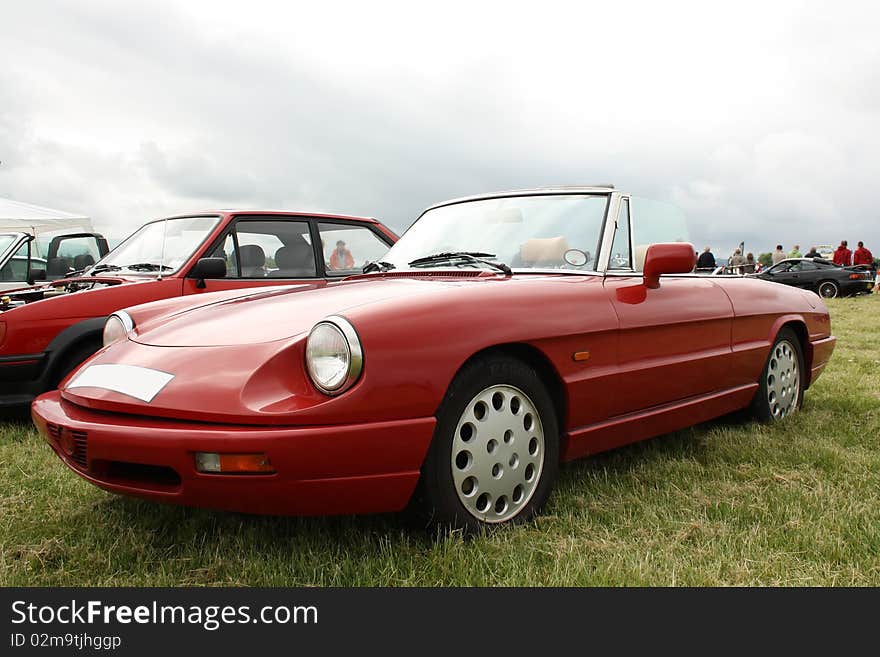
(71, 359)
(763, 407)
(828, 289)
(440, 497)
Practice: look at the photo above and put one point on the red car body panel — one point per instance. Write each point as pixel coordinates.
(36, 334)
(658, 360)
(349, 469)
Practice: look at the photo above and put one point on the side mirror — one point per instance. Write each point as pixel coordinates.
(667, 258)
(208, 268)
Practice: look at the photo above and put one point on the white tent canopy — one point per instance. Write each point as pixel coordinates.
(25, 218)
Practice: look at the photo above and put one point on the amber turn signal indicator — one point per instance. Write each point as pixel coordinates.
(213, 463)
(580, 355)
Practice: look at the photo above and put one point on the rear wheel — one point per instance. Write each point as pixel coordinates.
(780, 392)
(495, 452)
(828, 289)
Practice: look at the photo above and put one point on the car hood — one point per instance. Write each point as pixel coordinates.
(276, 314)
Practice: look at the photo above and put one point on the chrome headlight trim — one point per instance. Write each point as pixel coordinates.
(127, 326)
(355, 353)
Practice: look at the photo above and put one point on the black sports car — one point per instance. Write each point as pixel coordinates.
(821, 276)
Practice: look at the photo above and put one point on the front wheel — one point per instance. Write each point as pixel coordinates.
(495, 452)
(780, 391)
(828, 289)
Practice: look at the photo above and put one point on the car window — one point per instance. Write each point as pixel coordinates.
(16, 268)
(77, 246)
(803, 266)
(653, 222)
(780, 268)
(268, 248)
(620, 247)
(226, 250)
(348, 248)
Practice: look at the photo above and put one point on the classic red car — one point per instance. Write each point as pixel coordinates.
(501, 335)
(45, 331)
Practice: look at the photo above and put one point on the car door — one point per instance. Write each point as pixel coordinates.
(252, 245)
(804, 274)
(780, 273)
(674, 341)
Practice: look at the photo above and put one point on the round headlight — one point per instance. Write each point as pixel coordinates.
(333, 355)
(117, 328)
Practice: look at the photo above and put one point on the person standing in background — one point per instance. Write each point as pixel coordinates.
(863, 256)
(749, 267)
(706, 259)
(795, 252)
(737, 261)
(341, 257)
(843, 256)
(813, 253)
(778, 255)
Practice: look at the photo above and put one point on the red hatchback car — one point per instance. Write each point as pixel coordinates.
(48, 330)
(501, 335)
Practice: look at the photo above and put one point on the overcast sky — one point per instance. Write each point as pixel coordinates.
(761, 120)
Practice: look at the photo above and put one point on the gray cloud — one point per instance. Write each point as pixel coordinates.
(765, 131)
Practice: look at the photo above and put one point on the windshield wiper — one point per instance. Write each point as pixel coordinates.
(377, 266)
(98, 268)
(147, 266)
(470, 256)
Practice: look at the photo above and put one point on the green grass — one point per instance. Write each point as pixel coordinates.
(727, 503)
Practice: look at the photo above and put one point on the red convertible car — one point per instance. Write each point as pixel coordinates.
(501, 335)
(47, 330)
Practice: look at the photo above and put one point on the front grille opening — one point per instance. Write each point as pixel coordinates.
(141, 475)
(80, 445)
(74, 444)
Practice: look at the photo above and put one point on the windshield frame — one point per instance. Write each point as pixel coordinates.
(209, 235)
(603, 250)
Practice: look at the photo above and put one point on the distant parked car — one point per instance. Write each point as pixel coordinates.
(22, 251)
(18, 268)
(48, 329)
(821, 276)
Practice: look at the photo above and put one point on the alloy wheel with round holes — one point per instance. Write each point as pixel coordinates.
(783, 380)
(780, 391)
(828, 289)
(495, 452)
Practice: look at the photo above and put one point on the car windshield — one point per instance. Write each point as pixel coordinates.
(557, 231)
(159, 246)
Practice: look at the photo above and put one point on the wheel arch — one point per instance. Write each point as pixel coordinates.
(541, 363)
(799, 327)
(72, 337)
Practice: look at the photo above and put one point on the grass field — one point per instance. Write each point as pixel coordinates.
(728, 503)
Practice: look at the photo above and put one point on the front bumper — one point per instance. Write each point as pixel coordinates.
(364, 468)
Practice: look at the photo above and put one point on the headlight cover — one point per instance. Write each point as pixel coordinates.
(117, 328)
(334, 358)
